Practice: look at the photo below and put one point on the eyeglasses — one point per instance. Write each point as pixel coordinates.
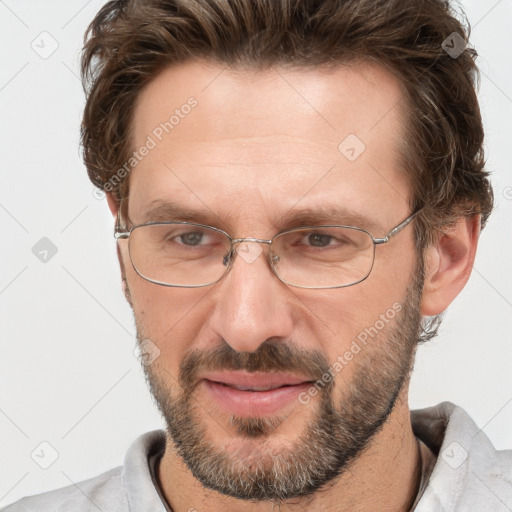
(189, 255)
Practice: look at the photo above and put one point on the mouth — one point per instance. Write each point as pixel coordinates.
(253, 388)
(254, 394)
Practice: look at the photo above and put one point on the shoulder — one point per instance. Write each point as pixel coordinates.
(470, 472)
(98, 493)
(124, 488)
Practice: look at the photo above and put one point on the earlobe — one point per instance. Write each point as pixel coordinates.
(448, 264)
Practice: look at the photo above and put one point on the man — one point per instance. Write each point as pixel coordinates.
(298, 189)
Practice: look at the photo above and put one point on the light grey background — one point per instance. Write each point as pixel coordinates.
(68, 375)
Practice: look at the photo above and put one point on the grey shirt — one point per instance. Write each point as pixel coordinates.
(468, 475)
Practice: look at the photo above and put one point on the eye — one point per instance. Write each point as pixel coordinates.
(329, 238)
(319, 239)
(192, 238)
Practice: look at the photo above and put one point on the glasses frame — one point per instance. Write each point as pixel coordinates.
(124, 235)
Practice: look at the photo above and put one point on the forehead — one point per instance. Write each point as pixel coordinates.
(246, 141)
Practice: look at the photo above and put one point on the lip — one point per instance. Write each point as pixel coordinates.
(253, 394)
(244, 379)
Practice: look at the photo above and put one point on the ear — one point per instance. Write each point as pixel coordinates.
(448, 264)
(113, 204)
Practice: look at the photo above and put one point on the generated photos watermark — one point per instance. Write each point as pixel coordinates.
(356, 347)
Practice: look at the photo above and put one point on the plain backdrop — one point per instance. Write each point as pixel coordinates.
(68, 375)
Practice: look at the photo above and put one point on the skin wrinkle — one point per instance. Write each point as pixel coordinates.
(272, 89)
(160, 211)
(242, 108)
(295, 473)
(291, 458)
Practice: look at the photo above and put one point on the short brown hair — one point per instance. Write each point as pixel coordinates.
(129, 42)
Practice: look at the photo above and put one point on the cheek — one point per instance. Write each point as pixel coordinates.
(156, 308)
(336, 317)
(343, 318)
(171, 318)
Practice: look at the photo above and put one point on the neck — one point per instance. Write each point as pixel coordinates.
(386, 476)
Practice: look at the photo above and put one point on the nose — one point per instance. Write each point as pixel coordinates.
(251, 303)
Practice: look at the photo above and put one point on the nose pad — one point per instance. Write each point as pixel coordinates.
(228, 258)
(249, 253)
(274, 261)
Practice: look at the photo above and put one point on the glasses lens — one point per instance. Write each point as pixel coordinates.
(179, 254)
(323, 257)
(185, 254)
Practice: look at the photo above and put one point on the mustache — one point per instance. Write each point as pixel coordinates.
(270, 356)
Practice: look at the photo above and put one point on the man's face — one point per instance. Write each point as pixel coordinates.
(257, 147)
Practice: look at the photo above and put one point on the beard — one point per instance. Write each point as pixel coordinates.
(338, 432)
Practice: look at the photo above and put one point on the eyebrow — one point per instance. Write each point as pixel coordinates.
(165, 211)
(329, 214)
(161, 211)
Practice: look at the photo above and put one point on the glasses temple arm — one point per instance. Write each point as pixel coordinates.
(396, 229)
